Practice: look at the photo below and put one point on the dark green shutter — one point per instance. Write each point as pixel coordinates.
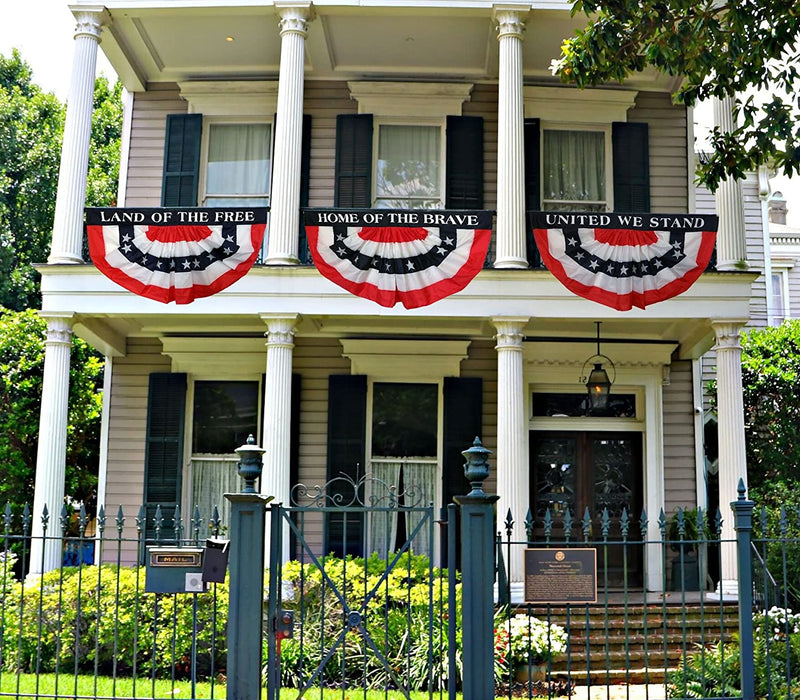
(163, 460)
(305, 176)
(294, 455)
(181, 160)
(353, 168)
(347, 422)
(533, 201)
(631, 166)
(464, 171)
(463, 416)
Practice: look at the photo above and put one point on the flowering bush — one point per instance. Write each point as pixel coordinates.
(524, 639)
(775, 623)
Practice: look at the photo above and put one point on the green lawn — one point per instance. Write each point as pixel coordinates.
(163, 690)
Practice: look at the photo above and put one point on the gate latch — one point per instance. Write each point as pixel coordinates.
(283, 624)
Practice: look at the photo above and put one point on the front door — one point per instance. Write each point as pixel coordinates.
(575, 470)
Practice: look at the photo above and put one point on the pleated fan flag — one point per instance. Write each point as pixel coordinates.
(175, 254)
(396, 256)
(625, 260)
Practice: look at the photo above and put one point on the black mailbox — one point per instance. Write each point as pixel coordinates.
(215, 560)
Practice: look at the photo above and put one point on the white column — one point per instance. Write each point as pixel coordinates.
(277, 417)
(71, 197)
(512, 444)
(510, 142)
(52, 448)
(732, 455)
(285, 197)
(731, 245)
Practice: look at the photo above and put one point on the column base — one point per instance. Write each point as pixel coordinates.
(282, 260)
(65, 259)
(727, 590)
(732, 266)
(511, 264)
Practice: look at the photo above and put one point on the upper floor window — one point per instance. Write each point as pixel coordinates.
(575, 171)
(237, 165)
(408, 169)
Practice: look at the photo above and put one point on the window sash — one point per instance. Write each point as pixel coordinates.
(409, 167)
(575, 170)
(238, 165)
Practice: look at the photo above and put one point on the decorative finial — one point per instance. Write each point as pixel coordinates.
(250, 464)
(476, 468)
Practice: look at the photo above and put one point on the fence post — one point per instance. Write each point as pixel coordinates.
(477, 572)
(246, 597)
(743, 523)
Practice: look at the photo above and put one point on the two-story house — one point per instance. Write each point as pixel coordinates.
(352, 106)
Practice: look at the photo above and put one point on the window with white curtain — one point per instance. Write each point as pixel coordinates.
(403, 462)
(409, 167)
(238, 165)
(778, 296)
(224, 414)
(574, 170)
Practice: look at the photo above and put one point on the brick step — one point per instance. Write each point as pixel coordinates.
(674, 640)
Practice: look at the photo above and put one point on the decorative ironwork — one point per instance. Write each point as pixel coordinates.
(365, 492)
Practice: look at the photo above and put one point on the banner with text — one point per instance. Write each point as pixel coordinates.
(175, 254)
(625, 260)
(414, 257)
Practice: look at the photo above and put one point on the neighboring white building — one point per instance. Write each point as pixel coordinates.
(291, 104)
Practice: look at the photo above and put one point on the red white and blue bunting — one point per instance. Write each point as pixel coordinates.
(175, 254)
(399, 256)
(625, 260)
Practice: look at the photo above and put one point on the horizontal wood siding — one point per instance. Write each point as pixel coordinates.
(669, 184)
(126, 435)
(679, 457)
(483, 103)
(146, 160)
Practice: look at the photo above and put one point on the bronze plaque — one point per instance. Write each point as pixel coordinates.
(561, 575)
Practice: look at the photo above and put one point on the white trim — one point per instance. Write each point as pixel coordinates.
(242, 98)
(222, 359)
(105, 416)
(125, 146)
(587, 106)
(398, 99)
(415, 361)
(700, 479)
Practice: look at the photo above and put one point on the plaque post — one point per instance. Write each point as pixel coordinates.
(246, 598)
(477, 571)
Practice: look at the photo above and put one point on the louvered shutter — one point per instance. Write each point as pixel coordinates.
(533, 201)
(347, 419)
(631, 166)
(464, 168)
(163, 465)
(181, 160)
(305, 175)
(353, 167)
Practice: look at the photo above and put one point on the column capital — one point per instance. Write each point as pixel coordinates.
(280, 329)
(727, 334)
(59, 328)
(294, 17)
(510, 19)
(89, 21)
(509, 332)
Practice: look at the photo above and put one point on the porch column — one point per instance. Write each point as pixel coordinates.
(51, 454)
(71, 198)
(731, 244)
(510, 140)
(278, 412)
(285, 197)
(512, 443)
(732, 456)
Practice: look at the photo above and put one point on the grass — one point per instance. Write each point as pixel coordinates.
(163, 689)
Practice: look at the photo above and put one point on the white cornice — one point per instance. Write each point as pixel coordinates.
(419, 359)
(587, 106)
(397, 99)
(244, 98)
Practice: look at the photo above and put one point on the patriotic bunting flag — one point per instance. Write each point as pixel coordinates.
(399, 256)
(625, 260)
(175, 254)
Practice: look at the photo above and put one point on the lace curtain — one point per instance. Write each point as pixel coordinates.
(573, 168)
(408, 167)
(211, 477)
(419, 489)
(238, 165)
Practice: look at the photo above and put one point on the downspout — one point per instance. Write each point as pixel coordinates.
(763, 195)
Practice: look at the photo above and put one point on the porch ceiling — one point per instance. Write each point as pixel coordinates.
(150, 42)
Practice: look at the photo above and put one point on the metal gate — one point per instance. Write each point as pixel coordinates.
(340, 619)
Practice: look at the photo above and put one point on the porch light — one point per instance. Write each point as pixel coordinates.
(598, 384)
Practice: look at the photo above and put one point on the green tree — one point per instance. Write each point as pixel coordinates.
(21, 367)
(720, 49)
(31, 127)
